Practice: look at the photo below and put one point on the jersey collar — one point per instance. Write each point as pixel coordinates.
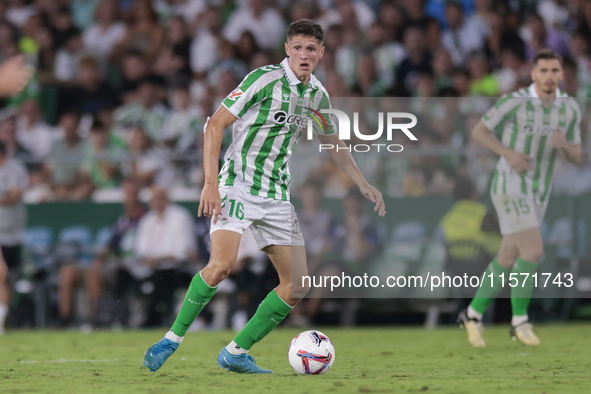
(534, 93)
(289, 74)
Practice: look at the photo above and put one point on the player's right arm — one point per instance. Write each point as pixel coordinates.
(210, 203)
(485, 137)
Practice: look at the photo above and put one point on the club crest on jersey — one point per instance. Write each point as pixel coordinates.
(285, 96)
(235, 94)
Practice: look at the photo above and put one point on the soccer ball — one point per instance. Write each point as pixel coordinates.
(311, 353)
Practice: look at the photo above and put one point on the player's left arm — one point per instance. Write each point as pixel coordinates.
(570, 142)
(343, 159)
(572, 152)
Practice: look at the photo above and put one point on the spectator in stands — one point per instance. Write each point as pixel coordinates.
(150, 163)
(68, 57)
(134, 69)
(121, 246)
(32, 131)
(204, 47)
(418, 60)
(442, 66)
(106, 32)
(102, 164)
(387, 54)
(165, 242)
(8, 45)
(65, 160)
(14, 149)
(263, 21)
(173, 60)
(146, 111)
(13, 221)
(353, 243)
(143, 33)
(482, 83)
(91, 92)
(463, 35)
(542, 37)
(185, 122)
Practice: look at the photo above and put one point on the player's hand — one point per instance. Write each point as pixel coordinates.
(210, 203)
(14, 75)
(376, 197)
(559, 139)
(518, 161)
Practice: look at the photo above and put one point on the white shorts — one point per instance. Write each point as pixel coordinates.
(271, 221)
(517, 212)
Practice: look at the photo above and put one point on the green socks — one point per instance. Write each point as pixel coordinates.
(198, 295)
(269, 314)
(486, 293)
(521, 294)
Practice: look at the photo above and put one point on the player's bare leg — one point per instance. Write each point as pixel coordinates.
(224, 250)
(531, 249)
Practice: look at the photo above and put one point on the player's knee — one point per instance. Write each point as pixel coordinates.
(220, 269)
(67, 274)
(533, 255)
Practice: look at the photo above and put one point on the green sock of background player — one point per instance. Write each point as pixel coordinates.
(521, 294)
(489, 289)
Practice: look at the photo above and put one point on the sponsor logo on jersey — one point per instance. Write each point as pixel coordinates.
(282, 117)
(235, 94)
(538, 130)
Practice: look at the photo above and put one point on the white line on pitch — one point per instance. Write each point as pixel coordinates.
(63, 360)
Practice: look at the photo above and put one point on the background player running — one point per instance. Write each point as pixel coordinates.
(535, 123)
(252, 190)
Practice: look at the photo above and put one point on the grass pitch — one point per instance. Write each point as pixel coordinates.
(384, 360)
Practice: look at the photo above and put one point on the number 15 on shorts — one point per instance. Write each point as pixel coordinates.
(517, 205)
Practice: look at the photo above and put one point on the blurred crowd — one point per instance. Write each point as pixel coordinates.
(122, 88)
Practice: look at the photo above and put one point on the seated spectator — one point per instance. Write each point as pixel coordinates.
(102, 165)
(61, 26)
(145, 111)
(353, 243)
(149, 163)
(14, 149)
(417, 61)
(463, 35)
(482, 83)
(32, 131)
(68, 57)
(173, 59)
(121, 247)
(543, 37)
(143, 33)
(65, 159)
(106, 32)
(263, 21)
(185, 122)
(134, 69)
(165, 242)
(91, 92)
(204, 47)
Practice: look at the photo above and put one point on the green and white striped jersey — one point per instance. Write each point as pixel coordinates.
(272, 107)
(524, 124)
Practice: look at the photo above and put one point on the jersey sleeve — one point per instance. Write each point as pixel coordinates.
(495, 117)
(322, 123)
(250, 92)
(573, 133)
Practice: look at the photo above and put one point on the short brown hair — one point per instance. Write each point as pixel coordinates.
(547, 54)
(306, 27)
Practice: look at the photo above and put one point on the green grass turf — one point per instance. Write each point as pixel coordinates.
(384, 360)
